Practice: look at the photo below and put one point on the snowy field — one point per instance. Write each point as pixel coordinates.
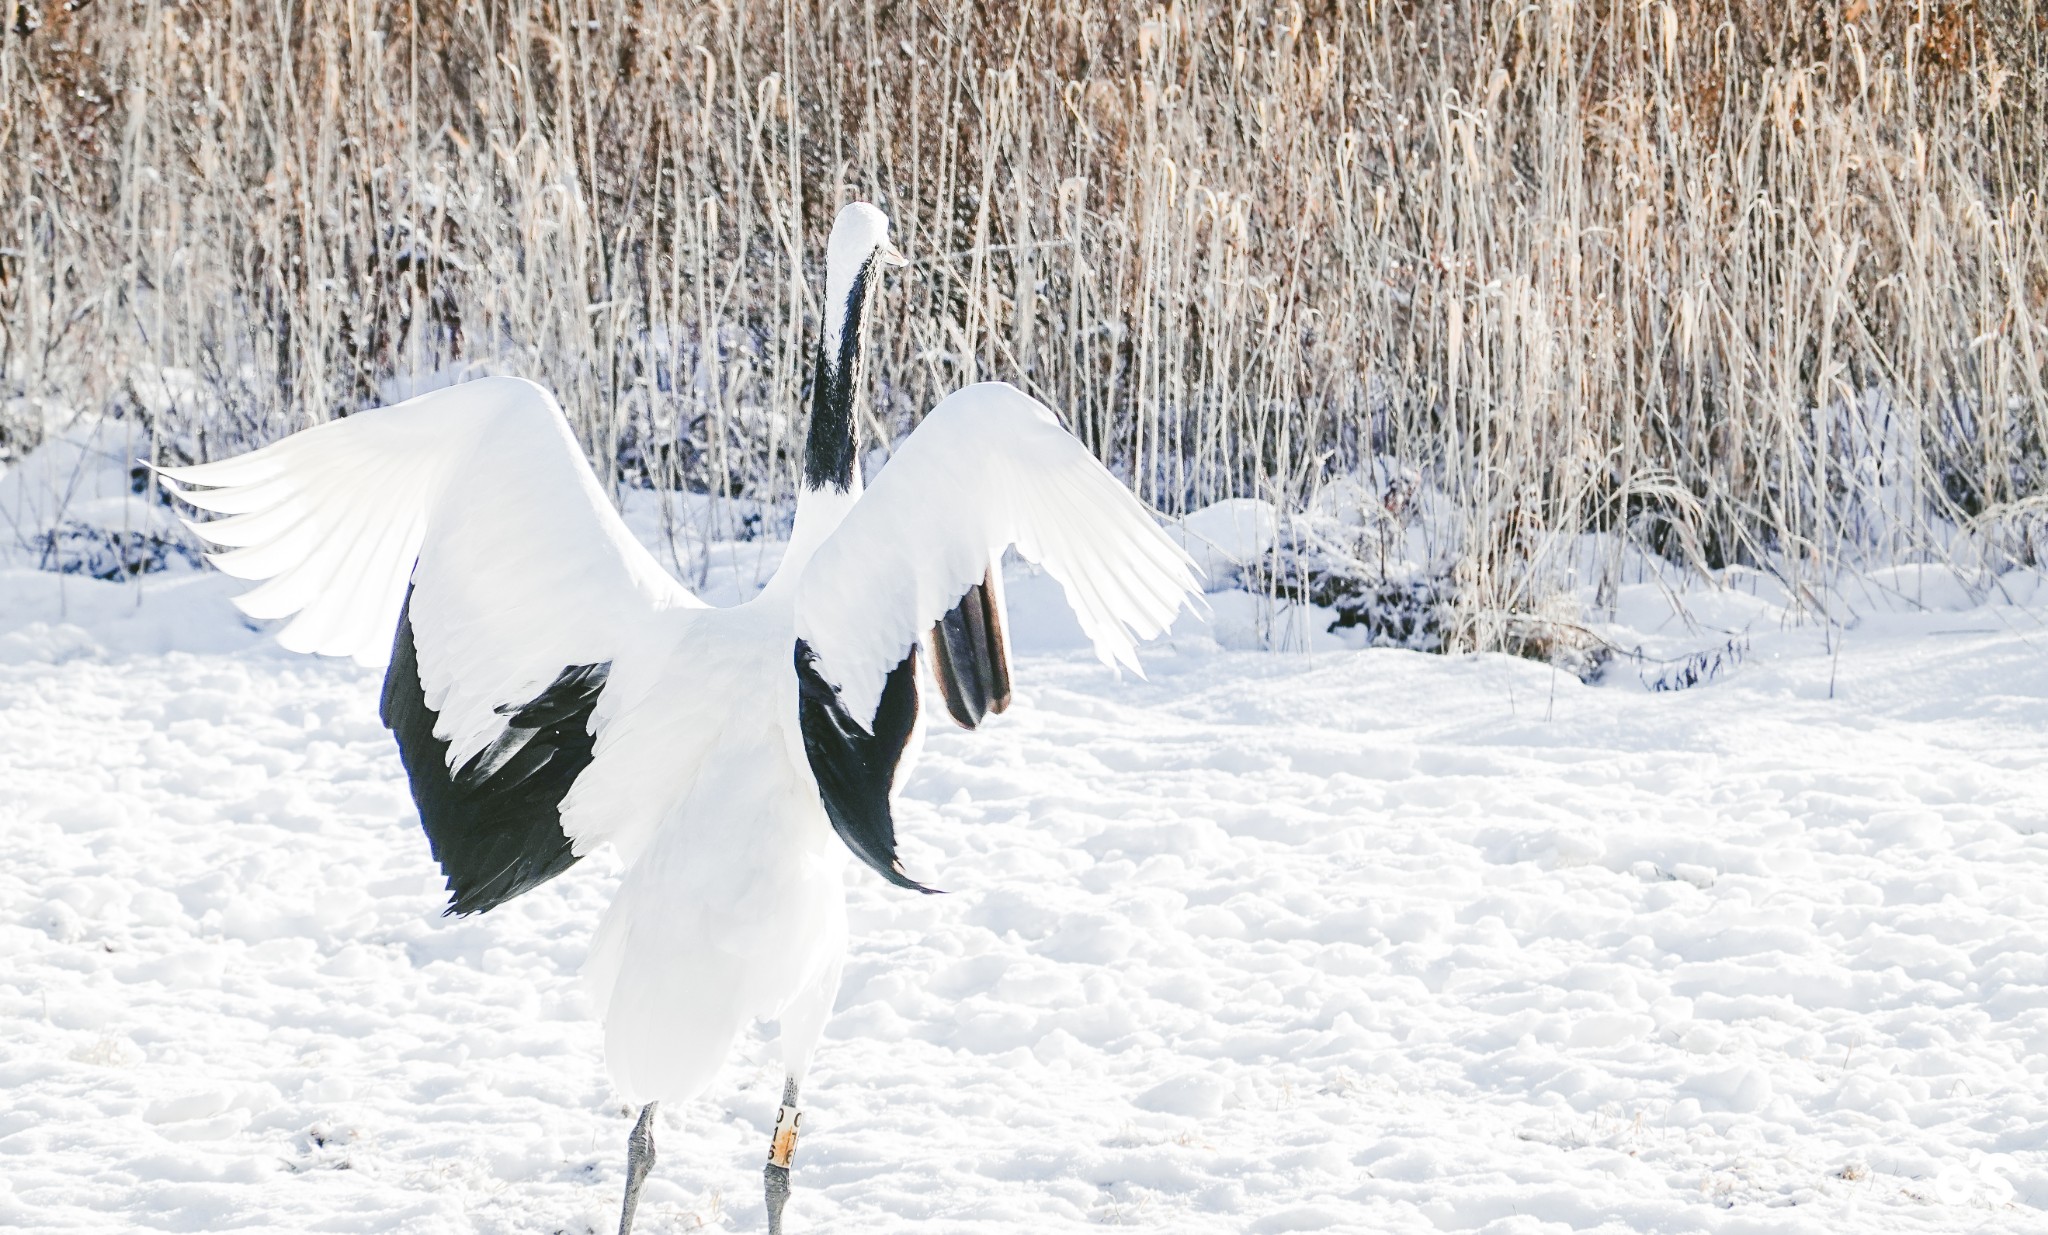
(1368, 941)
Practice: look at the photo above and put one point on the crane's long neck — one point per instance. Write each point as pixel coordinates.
(831, 481)
(831, 453)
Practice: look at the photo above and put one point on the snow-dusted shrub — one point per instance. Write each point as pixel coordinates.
(1377, 559)
(1375, 551)
(2008, 535)
(79, 502)
(1697, 669)
(1407, 614)
(1560, 640)
(78, 548)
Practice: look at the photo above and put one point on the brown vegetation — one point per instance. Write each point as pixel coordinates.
(1585, 265)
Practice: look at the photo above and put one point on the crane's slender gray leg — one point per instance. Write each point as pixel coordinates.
(639, 1161)
(802, 1022)
(775, 1176)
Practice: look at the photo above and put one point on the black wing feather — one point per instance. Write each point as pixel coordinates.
(969, 659)
(495, 824)
(854, 767)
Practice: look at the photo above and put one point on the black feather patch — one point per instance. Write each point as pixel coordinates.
(830, 451)
(855, 768)
(494, 823)
(969, 658)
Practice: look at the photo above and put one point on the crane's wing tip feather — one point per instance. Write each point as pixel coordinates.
(222, 560)
(895, 874)
(174, 474)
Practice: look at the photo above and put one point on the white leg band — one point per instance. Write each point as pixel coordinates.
(783, 1145)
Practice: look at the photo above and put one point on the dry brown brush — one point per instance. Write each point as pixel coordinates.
(1744, 281)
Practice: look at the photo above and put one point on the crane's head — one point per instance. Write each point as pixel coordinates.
(859, 235)
(859, 243)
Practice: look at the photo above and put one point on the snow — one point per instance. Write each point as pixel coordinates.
(1358, 941)
(80, 475)
(1228, 535)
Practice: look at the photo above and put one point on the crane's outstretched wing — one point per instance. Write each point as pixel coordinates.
(989, 468)
(462, 536)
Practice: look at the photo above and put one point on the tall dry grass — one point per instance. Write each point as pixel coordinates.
(1744, 281)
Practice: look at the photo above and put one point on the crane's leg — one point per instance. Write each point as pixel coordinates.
(639, 1161)
(802, 1024)
(781, 1147)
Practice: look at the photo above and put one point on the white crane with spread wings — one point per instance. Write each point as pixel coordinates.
(553, 689)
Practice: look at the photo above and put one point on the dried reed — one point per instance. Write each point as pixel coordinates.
(1745, 282)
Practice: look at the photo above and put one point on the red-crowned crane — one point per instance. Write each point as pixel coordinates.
(552, 689)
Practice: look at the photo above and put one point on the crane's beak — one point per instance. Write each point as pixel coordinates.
(890, 255)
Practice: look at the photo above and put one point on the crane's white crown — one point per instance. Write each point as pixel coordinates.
(859, 230)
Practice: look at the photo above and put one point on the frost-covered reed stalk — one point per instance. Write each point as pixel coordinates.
(1745, 281)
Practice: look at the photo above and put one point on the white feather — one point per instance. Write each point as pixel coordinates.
(477, 495)
(989, 468)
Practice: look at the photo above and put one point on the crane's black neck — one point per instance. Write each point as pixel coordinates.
(832, 451)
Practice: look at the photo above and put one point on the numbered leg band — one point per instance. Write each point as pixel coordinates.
(783, 1146)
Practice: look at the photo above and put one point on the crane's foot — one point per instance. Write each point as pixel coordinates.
(775, 1176)
(639, 1161)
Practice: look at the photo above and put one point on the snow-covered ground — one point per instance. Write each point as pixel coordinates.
(1359, 941)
